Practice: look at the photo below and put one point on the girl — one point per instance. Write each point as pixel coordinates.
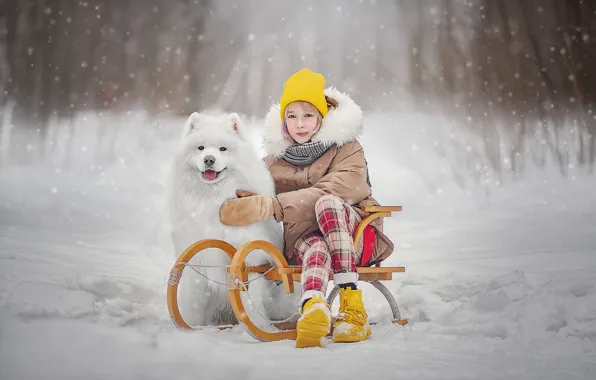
(321, 178)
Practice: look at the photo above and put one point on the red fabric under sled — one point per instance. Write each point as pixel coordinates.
(370, 238)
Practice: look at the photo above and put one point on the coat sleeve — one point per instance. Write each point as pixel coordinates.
(346, 178)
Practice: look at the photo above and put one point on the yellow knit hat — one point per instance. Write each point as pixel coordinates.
(307, 86)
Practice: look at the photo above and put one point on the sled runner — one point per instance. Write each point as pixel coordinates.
(281, 272)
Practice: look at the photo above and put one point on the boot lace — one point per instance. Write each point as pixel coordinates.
(352, 316)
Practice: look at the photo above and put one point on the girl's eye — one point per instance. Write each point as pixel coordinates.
(308, 115)
(201, 147)
(291, 116)
(223, 149)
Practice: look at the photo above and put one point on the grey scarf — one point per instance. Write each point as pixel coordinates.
(307, 153)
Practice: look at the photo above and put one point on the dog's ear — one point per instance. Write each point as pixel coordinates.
(235, 123)
(192, 124)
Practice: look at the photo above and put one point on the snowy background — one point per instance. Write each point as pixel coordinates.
(498, 232)
(499, 276)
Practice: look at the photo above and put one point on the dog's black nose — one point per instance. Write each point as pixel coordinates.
(209, 160)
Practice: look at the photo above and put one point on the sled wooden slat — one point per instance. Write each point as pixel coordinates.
(380, 208)
(364, 273)
(298, 270)
(274, 276)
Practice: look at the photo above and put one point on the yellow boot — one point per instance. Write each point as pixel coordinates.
(351, 324)
(314, 324)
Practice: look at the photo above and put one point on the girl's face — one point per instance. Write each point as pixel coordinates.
(303, 121)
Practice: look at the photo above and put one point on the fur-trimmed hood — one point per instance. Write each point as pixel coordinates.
(341, 125)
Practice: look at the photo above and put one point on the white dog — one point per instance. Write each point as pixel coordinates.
(215, 159)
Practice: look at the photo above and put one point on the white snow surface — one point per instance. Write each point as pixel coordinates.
(500, 277)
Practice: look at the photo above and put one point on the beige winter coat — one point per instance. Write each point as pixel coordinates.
(340, 171)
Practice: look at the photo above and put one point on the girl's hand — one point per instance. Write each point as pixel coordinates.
(246, 209)
(244, 193)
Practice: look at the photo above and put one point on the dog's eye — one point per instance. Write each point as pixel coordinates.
(223, 149)
(201, 147)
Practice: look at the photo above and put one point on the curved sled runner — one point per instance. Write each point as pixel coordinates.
(176, 274)
(238, 277)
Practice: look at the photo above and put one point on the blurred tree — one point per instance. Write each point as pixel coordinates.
(529, 63)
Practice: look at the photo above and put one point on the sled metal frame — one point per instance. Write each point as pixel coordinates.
(282, 272)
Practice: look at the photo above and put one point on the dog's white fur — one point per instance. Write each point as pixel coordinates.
(194, 205)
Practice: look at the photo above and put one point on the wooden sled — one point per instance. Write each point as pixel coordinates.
(238, 277)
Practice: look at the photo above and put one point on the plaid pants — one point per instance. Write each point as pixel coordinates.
(330, 248)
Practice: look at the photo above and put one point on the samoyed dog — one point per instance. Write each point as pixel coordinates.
(214, 159)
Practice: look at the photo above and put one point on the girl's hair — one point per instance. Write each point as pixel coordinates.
(307, 107)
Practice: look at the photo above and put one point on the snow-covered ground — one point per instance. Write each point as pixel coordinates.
(500, 276)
